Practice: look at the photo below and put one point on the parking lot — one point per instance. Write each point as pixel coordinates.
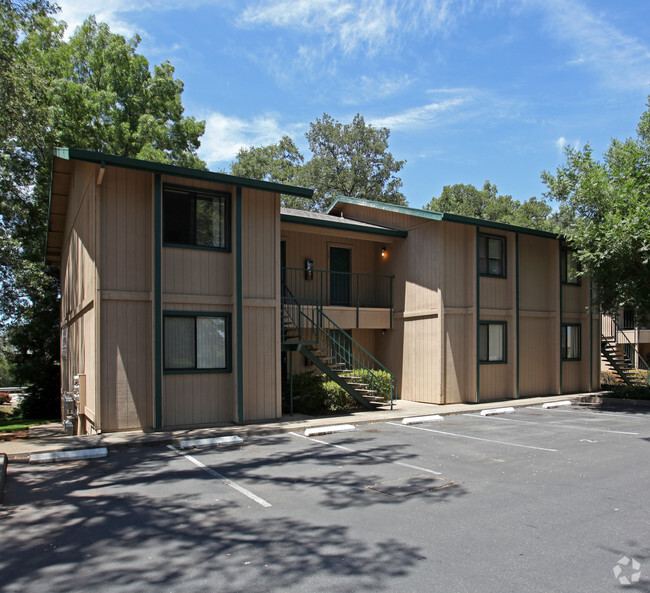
(536, 501)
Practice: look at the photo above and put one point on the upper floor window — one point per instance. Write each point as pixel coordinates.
(569, 267)
(196, 218)
(492, 256)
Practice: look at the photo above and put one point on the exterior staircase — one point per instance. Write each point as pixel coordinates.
(619, 363)
(308, 330)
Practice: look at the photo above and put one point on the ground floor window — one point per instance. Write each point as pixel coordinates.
(570, 341)
(492, 341)
(197, 341)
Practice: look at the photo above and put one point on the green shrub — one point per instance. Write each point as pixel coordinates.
(629, 391)
(308, 394)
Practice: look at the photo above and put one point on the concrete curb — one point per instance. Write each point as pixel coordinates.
(617, 401)
(20, 450)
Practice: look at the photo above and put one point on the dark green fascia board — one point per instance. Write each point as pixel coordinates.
(386, 207)
(166, 169)
(431, 215)
(336, 224)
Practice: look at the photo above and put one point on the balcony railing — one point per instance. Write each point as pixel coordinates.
(343, 289)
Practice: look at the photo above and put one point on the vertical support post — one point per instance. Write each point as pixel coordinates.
(391, 301)
(157, 300)
(290, 356)
(358, 301)
(517, 308)
(239, 304)
(560, 312)
(591, 337)
(478, 318)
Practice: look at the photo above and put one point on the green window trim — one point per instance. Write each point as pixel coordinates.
(571, 342)
(195, 339)
(493, 336)
(569, 268)
(492, 256)
(190, 212)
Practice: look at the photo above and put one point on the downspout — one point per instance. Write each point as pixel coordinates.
(478, 319)
(157, 300)
(239, 305)
(517, 306)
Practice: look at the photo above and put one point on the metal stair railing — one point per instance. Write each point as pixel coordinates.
(611, 332)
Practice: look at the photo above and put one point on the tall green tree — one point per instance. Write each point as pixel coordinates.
(347, 159)
(279, 162)
(487, 204)
(609, 222)
(351, 160)
(92, 92)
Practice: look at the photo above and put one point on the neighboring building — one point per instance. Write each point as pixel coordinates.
(186, 295)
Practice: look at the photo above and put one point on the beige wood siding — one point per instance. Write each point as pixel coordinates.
(126, 300)
(261, 305)
(78, 276)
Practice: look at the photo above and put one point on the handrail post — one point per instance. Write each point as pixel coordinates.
(357, 301)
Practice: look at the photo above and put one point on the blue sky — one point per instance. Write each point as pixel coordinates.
(471, 90)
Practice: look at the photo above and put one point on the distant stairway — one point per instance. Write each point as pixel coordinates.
(306, 329)
(619, 363)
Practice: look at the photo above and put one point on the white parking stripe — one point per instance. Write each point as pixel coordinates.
(595, 413)
(226, 481)
(362, 454)
(465, 436)
(556, 425)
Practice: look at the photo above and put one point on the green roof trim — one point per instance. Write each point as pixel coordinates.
(502, 226)
(166, 169)
(336, 224)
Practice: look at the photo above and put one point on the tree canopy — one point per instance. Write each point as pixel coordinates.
(608, 206)
(93, 92)
(347, 159)
(487, 204)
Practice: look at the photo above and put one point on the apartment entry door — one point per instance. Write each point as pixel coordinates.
(340, 276)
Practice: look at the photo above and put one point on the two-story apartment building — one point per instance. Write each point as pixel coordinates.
(185, 293)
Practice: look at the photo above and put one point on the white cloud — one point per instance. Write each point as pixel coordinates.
(354, 23)
(115, 12)
(622, 60)
(417, 116)
(225, 136)
(561, 143)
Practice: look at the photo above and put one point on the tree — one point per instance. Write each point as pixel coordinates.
(351, 160)
(280, 163)
(487, 204)
(93, 92)
(610, 231)
(348, 159)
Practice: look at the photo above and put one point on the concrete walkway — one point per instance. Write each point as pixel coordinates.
(50, 438)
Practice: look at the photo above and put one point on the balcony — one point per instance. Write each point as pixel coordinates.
(352, 300)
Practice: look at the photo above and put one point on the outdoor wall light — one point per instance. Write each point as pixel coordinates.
(384, 253)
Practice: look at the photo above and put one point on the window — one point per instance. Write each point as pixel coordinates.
(569, 267)
(570, 341)
(492, 256)
(196, 218)
(492, 341)
(197, 342)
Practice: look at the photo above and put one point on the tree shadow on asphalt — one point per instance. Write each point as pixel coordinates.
(130, 525)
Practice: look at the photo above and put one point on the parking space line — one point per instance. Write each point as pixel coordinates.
(557, 425)
(225, 480)
(362, 454)
(594, 413)
(465, 436)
